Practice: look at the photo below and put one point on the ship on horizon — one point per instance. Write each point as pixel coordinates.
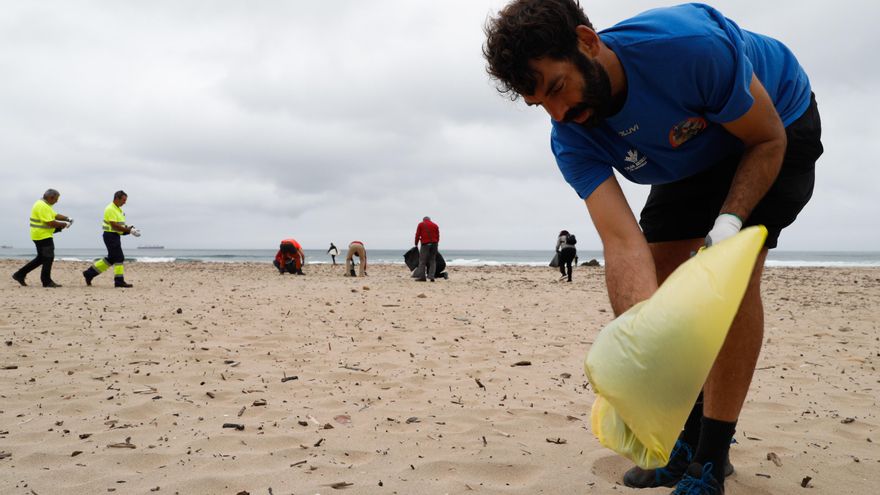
(151, 246)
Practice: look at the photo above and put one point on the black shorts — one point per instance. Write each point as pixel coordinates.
(687, 209)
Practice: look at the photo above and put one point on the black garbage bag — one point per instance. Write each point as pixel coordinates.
(411, 258)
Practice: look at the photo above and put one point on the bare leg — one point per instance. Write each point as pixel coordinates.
(728, 383)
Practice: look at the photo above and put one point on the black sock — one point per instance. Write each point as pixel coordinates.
(691, 433)
(714, 446)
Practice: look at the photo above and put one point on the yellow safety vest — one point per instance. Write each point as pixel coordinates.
(41, 214)
(113, 213)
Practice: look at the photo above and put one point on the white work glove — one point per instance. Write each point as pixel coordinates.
(135, 232)
(726, 225)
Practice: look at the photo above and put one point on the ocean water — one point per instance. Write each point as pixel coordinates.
(454, 257)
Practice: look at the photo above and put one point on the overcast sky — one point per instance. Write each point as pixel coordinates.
(236, 124)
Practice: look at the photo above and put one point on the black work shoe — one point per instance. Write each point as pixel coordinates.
(679, 460)
(51, 285)
(87, 274)
(421, 280)
(698, 480)
(19, 278)
(122, 283)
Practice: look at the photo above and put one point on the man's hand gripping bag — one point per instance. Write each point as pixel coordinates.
(649, 364)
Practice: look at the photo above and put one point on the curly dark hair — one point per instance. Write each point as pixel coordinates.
(287, 248)
(525, 30)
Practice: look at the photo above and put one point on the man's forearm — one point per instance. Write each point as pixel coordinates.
(756, 172)
(629, 275)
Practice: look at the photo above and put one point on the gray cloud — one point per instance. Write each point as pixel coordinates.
(233, 124)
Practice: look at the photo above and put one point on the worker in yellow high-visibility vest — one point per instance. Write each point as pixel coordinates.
(44, 223)
(114, 228)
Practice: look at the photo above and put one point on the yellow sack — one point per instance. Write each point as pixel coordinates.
(649, 364)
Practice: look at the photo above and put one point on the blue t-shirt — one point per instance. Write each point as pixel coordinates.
(688, 70)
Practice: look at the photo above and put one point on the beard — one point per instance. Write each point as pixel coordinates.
(596, 94)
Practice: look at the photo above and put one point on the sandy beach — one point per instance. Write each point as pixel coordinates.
(382, 385)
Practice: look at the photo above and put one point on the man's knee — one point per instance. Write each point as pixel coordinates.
(47, 252)
(752, 297)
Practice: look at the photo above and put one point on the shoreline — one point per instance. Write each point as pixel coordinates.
(455, 258)
(770, 265)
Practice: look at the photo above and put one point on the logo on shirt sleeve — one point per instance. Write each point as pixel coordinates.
(686, 129)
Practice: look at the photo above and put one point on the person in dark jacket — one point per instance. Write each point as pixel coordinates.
(333, 252)
(567, 253)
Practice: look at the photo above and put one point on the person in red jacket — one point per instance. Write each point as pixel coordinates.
(428, 233)
(290, 258)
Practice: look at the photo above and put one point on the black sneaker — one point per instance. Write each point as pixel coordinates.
(19, 278)
(698, 480)
(51, 285)
(122, 284)
(679, 460)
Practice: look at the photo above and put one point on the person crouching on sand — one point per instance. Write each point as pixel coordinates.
(290, 258)
(356, 248)
(719, 120)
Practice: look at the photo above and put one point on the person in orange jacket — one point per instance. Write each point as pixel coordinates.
(290, 257)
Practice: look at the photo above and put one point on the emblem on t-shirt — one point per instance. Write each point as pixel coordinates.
(686, 129)
(635, 161)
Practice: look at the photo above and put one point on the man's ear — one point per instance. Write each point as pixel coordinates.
(588, 41)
